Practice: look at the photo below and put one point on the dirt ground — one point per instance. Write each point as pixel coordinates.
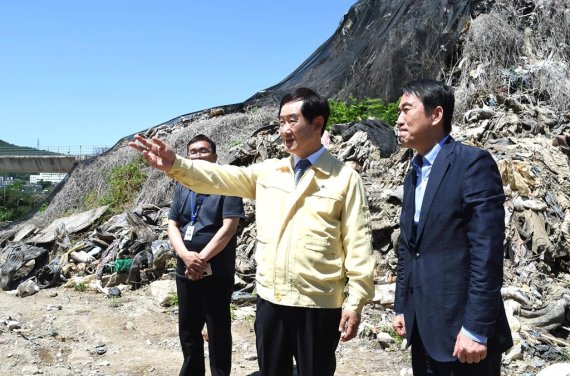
(68, 332)
(135, 336)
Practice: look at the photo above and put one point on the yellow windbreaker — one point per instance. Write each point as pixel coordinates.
(313, 239)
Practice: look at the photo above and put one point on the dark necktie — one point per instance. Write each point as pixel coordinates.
(300, 168)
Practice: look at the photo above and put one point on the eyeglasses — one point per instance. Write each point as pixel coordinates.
(199, 152)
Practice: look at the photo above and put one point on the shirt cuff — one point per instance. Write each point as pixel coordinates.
(473, 336)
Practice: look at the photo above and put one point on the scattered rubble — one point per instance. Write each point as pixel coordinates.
(131, 248)
(515, 106)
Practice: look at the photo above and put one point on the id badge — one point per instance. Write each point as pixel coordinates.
(189, 233)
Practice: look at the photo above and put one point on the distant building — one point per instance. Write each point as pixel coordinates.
(53, 177)
(6, 180)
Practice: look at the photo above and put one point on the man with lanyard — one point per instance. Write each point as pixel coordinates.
(202, 230)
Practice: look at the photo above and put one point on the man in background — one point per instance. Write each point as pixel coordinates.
(202, 230)
(313, 237)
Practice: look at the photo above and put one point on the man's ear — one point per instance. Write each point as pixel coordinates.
(319, 121)
(437, 115)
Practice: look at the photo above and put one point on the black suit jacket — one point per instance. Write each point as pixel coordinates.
(450, 270)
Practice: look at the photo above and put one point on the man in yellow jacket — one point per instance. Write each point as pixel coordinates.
(314, 249)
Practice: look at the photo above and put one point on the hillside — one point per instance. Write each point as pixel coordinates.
(11, 149)
(378, 45)
(509, 63)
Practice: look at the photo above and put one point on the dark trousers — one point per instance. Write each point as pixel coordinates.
(205, 301)
(310, 335)
(423, 364)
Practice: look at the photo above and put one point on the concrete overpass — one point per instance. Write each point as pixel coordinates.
(39, 163)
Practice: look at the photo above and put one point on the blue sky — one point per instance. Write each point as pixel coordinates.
(79, 72)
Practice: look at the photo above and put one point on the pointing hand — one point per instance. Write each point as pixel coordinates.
(157, 153)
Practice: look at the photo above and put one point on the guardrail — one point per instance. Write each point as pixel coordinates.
(79, 150)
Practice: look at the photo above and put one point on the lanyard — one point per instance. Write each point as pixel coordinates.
(195, 199)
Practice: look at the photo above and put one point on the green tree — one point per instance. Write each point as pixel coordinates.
(6, 214)
(46, 184)
(16, 201)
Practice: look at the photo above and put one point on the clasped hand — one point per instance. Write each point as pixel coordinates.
(195, 266)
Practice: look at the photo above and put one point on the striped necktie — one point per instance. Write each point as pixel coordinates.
(300, 168)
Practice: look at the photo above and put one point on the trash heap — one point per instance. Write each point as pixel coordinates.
(512, 92)
(131, 248)
(529, 142)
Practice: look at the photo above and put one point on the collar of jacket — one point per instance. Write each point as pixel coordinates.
(324, 164)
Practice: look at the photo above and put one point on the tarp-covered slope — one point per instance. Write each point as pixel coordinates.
(379, 45)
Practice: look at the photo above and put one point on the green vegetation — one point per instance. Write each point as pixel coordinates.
(17, 200)
(46, 185)
(124, 183)
(79, 286)
(563, 357)
(114, 302)
(250, 320)
(390, 330)
(43, 207)
(171, 299)
(235, 143)
(7, 148)
(354, 110)
(233, 311)
(6, 214)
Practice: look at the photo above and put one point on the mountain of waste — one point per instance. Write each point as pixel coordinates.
(508, 62)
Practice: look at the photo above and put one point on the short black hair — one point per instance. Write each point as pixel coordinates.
(313, 104)
(202, 137)
(433, 93)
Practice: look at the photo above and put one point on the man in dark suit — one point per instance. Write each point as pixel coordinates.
(450, 258)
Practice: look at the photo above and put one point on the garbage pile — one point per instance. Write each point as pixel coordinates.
(129, 248)
(526, 141)
(529, 142)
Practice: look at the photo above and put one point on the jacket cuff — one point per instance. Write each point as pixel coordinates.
(354, 305)
(175, 168)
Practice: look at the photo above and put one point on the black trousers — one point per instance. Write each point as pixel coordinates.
(205, 301)
(310, 335)
(424, 365)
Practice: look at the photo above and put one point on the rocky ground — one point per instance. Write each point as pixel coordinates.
(63, 331)
(69, 332)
